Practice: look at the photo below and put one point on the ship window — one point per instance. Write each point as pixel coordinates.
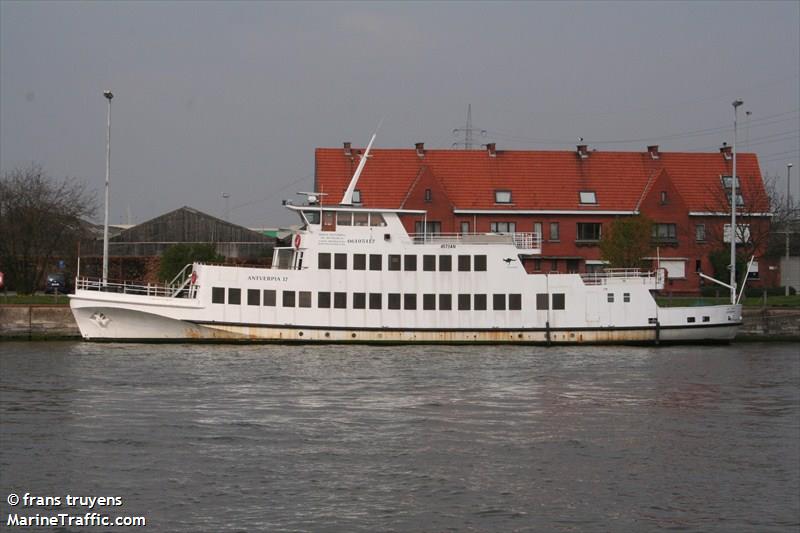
(324, 261)
(360, 219)
(359, 261)
(480, 263)
(234, 296)
(559, 303)
(312, 216)
(375, 262)
(324, 300)
(356, 196)
(410, 262)
(626, 297)
(480, 302)
(340, 300)
(359, 300)
(690, 319)
(394, 300)
(502, 197)
(340, 261)
(269, 297)
(376, 219)
(706, 319)
(445, 263)
(288, 298)
(305, 299)
(429, 263)
(499, 302)
(463, 302)
(394, 262)
(445, 302)
(514, 302)
(344, 218)
(218, 295)
(429, 302)
(464, 263)
(253, 297)
(375, 300)
(409, 301)
(541, 301)
(588, 197)
(611, 297)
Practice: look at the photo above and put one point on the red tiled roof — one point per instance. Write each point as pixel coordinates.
(539, 180)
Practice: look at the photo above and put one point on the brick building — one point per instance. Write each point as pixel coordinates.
(568, 197)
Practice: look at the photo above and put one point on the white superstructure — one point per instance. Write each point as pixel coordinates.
(356, 275)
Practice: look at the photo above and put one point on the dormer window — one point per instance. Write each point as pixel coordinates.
(727, 181)
(502, 197)
(739, 199)
(428, 195)
(588, 197)
(356, 196)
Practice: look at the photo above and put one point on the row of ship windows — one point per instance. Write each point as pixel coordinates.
(374, 300)
(464, 263)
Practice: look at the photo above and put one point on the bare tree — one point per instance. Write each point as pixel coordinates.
(41, 221)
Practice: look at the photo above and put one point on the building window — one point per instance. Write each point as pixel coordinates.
(700, 232)
(727, 182)
(324, 300)
(464, 228)
(503, 227)
(479, 301)
(611, 297)
(502, 197)
(537, 265)
(739, 199)
(340, 300)
(429, 228)
(253, 297)
(217, 295)
(429, 263)
(359, 300)
(394, 300)
(394, 262)
(463, 302)
(572, 266)
(375, 300)
(356, 196)
(589, 231)
(559, 301)
(235, 296)
(445, 302)
(324, 261)
(340, 261)
(359, 261)
(541, 301)
(499, 302)
(269, 297)
(554, 265)
(554, 231)
(288, 298)
(464, 263)
(480, 263)
(410, 301)
(587, 197)
(445, 263)
(375, 262)
(428, 195)
(429, 302)
(665, 233)
(664, 200)
(514, 302)
(742, 233)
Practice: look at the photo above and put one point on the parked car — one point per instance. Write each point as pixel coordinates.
(56, 282)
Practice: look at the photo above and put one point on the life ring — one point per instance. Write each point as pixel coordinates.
(194, 277)
(297, 241)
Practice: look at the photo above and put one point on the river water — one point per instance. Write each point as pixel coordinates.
(362, 438)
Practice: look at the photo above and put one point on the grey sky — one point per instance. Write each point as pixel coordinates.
(234, 97)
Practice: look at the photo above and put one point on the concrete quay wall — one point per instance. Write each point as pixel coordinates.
(56, 322)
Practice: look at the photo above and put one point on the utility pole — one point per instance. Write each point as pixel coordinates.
(788, 223)
(109, 95)
(467, 131)
(736, 104)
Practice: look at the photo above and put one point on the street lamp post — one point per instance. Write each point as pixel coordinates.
(788, 222)
(109, 95)
(736, 104)
(227, 211)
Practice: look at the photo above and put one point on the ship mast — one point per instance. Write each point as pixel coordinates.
(347, 199)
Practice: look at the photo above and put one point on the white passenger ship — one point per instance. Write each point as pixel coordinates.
(356, 275)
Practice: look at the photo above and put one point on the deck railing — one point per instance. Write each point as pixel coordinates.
(628, 274)
(524, 241)
(181, 286)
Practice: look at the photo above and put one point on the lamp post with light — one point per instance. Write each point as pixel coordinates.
(788, 223)
(736, 103)
(109, 95)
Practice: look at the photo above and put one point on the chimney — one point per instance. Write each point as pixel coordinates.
(583, 153)
(653, 151)
(492, 149)
(726, 152)
(420, 149)
(348, 151)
